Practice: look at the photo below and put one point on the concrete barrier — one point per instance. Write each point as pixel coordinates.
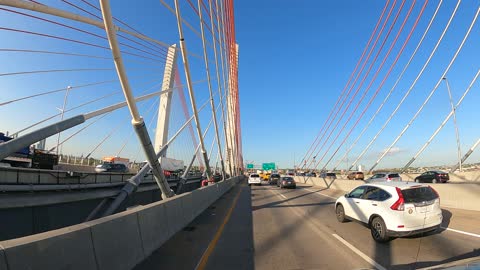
(454, 195)
(153, 224)
(67, 248)
(118, 241)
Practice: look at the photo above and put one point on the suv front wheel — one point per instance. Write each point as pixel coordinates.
(340, 213)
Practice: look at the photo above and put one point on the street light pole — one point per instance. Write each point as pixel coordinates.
(455, 123)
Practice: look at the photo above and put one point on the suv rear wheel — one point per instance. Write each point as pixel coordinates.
(379, 230)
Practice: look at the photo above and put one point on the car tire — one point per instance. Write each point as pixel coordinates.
(340, 213)
(249, 184)
(378, 230)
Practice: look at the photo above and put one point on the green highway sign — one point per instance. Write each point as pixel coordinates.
(249, 166)
(268, 166)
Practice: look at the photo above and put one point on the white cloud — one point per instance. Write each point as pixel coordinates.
(393, 151)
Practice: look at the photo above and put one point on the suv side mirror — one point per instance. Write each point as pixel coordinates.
(346, 195)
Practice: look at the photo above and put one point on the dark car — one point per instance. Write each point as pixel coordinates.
(329, 175)
(274, 177)
(286, 182)
(433, 177)
(111, 167)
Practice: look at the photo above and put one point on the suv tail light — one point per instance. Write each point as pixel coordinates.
(399, 204)
(438, 196)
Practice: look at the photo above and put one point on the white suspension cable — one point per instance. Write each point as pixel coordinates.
(410, 88)
(431, 93)
(392, 89)
(442, 124)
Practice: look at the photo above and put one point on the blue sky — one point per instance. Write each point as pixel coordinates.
(304, 54)
(294, 61)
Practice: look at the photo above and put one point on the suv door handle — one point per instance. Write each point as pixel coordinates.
(374, 204)
(357, 202)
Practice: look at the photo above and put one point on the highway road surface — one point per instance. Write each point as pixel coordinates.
(265, 227)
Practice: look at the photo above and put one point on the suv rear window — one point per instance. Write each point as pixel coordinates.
(421, 194)
(331, 174)
(275, 175)
(254, 175)
(394, 175)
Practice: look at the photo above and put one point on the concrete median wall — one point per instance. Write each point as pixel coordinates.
(454, 195)
(119, 241)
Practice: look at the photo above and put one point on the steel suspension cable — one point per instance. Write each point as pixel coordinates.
(227, 76)
(218, 83)
(354, 82)
(442, 124)
(55, 91)
(163, 49)
(132, 131)
(102, 37)
(75, 28)
(71, 109)
(410, 88)
(392, 89)
(431, 93)
(71, 40)
(469, 152)
(78, 131)
(384, 78)
(360, 86)
(92, 101)
(221, 38)
(348, 82)
(209, 83)
(105, 138)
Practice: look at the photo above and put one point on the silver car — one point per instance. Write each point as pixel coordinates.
(384, 177)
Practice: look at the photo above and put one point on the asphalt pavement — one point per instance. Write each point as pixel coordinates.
(265, 227)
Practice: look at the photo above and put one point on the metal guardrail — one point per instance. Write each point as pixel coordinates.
(22, 179)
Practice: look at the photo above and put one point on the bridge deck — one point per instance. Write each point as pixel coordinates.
(271, 228)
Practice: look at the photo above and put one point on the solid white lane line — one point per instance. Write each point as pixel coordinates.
(311, 190)
(359, 253)
(314, 227)
(283, 196)
(462, 232)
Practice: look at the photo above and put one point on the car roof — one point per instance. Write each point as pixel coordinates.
(400, 185)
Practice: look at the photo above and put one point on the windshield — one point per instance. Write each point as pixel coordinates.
(254, 175)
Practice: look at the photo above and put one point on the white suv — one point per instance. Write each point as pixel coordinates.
(254, 179)
(392, 209)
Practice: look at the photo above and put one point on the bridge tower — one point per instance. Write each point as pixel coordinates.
(161, 134)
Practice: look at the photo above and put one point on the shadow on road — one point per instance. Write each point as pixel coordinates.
(272, 204)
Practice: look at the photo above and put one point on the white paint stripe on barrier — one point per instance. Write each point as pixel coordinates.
(359, 253)
(462, 232)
